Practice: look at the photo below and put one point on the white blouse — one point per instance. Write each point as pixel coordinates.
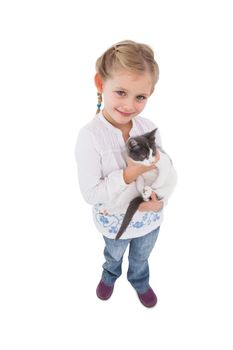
(100, 155)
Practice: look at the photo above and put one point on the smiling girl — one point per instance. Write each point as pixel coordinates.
(125, 78)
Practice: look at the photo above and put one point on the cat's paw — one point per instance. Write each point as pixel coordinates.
(146, 193)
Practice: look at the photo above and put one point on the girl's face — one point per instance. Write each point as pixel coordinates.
(125, 95)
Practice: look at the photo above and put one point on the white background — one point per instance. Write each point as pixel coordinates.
(51, 253)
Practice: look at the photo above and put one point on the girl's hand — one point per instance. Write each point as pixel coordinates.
(152, 205)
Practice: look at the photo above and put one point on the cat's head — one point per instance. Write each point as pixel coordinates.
(142, 148)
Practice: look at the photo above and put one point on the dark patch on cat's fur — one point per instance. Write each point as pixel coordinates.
(138, 148)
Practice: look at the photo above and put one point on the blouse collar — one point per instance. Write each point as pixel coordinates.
(115, 129)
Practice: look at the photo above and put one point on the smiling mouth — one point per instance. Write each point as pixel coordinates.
(124, 114)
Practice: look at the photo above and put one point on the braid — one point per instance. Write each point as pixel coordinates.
(99, 95)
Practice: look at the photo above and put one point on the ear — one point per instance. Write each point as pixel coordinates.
(98, 82)
(151, 134)
(132, 143)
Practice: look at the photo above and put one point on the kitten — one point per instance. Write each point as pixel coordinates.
(142, 149)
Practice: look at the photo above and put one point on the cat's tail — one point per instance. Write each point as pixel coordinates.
(132, 208)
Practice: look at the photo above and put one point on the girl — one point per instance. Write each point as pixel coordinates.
(126, 75)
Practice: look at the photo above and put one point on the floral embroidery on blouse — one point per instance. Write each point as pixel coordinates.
(113, 222)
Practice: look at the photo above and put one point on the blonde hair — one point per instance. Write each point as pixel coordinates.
(129, 55)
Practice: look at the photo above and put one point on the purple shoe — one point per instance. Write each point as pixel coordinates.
(148, 298)
(104, 291)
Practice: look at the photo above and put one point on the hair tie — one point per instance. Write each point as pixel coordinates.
(99, 95)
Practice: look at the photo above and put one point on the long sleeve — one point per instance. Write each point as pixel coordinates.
(94, 188)
(165, 191)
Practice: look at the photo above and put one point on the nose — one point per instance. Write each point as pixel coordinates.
(128, 106)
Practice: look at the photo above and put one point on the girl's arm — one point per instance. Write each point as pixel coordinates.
(94, 188)
(164, 192)
(160, 196)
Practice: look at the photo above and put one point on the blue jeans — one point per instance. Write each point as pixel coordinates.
(139, 252)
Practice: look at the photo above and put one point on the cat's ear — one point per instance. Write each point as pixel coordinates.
(132, 143)
(151, 135)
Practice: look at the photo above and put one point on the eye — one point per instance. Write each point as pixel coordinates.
(141, 98)
(143, 154)
(120, 93)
